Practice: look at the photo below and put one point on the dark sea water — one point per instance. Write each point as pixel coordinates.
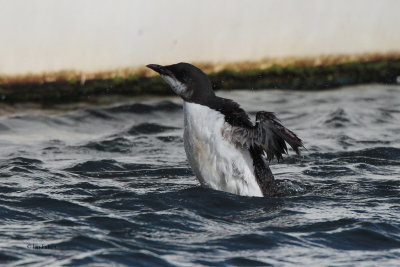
(111, 185)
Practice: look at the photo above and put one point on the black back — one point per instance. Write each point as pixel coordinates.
(236, 116)
(233, 113)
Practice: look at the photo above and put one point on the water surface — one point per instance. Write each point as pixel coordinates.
(111, 185)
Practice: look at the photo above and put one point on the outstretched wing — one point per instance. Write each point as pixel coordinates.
(269, 134)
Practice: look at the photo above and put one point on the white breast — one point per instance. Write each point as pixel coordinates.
(216, 162)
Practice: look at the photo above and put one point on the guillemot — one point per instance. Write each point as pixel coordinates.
(225, 150)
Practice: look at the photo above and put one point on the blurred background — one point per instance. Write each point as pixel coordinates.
(88, 35)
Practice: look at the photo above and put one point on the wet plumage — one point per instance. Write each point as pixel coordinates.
(224, 148)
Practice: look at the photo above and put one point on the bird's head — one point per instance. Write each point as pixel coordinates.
(186, 80)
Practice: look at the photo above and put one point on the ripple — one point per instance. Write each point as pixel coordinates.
(22, 161)
(7, 258)
(83, 243)
(317, 226)
(46, 205)
(338, 119)
(356, 239)
(249, 241)
(110, 224)
(11, 214)
(98, 113)
(170, 139)
(329, 171)
(38, 119)
(141, 257)
(149, 128)
(21, 165)
(242, 261)
(115, 145)
(132, 108)
(65, 222)
(374, 156)
(105, 165)
(142, 108)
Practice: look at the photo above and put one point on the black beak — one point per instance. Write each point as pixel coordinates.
(157, 68)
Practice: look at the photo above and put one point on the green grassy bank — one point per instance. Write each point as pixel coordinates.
(275, 77)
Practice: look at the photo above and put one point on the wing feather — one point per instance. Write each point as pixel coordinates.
(269, 134)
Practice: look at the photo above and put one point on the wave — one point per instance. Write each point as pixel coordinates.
(114, 145)
(377, 156)
(142, 108)
(106, 165)
(149, 128)
(365, 236)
